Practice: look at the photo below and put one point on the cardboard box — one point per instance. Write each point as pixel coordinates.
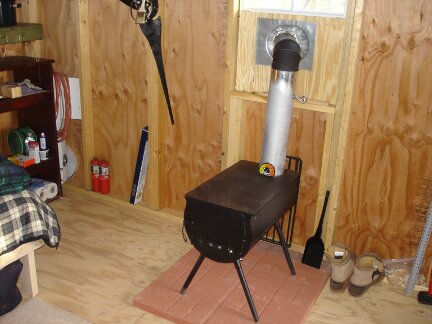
(11, 91)
(21, 160)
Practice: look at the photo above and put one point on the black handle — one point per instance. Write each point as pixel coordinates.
(319, 228)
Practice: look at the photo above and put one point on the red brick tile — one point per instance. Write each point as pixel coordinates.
(305, 297)
(183, 306)
(213, 288)
(178, 284)
(225, 315)
(236, 299)
(268, 273)
(260, 301)
(221, 269)
(287, 292)
(201, 312)
(264, 286)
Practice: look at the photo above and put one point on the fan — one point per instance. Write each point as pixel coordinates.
(68, 161)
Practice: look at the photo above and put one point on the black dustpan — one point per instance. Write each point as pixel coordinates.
(314, 249)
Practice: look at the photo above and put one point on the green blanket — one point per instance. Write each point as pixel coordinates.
(13, 178)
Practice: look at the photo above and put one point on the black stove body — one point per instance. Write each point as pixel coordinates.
(228, 214)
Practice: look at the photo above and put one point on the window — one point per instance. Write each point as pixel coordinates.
(332, 8)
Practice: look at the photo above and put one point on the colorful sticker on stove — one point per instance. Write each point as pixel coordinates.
(267, 169)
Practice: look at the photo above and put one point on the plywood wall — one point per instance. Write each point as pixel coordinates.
(194, 54)
(119, 88)
(60, 43)
(60, 26)
(320, 83)
(387, 183)
(59, 20)
(194, 47)
(118, 81)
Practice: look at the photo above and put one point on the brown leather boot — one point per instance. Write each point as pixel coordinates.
(368, 270)
(342, 264)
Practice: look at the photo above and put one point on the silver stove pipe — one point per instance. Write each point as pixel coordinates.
(277, 123)
(286, 57)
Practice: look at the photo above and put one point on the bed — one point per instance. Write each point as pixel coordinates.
(26, 224)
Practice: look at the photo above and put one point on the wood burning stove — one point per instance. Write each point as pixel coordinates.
(228, 214)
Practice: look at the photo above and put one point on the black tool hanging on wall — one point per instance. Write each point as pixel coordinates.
(314, 249)
(152, 30)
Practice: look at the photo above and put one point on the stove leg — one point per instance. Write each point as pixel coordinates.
(246, 290)
(192, 273)
(285, 249)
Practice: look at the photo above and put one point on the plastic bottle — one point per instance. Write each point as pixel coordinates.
(42, 142)
(29, 137)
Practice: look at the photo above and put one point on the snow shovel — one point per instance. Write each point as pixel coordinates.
(314, 249)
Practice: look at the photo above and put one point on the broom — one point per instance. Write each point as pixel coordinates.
(314, 249)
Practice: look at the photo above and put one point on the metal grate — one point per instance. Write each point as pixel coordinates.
(288, 219)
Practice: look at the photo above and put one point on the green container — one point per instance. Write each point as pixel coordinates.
(16, 139)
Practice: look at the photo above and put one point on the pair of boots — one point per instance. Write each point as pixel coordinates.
(358, 274)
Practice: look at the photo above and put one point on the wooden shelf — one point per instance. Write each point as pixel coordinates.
(20, 62)
(9, 104)
(37, 168)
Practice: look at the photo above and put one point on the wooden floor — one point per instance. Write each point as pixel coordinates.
(111, 251)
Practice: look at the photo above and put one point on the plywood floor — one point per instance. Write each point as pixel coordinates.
(109, 252)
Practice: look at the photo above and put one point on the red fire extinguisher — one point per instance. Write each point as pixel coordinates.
(94, 168)
(104, 177)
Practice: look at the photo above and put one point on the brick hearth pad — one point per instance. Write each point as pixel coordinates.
(216, 295)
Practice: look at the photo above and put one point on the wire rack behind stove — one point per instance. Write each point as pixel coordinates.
(288, 219)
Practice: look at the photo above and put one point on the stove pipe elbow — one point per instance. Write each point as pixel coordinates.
(286, 55)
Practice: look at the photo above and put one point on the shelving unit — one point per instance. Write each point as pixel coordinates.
(35, 110)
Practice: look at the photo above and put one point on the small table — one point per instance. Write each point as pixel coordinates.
(25, 252)
(226, 215)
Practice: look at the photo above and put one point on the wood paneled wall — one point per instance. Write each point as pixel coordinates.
(118, 81)
(387, 183)
(320, 83)
(59, 20)
(118, 78)
(194, 55)
(194, 47)
(119, 89)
